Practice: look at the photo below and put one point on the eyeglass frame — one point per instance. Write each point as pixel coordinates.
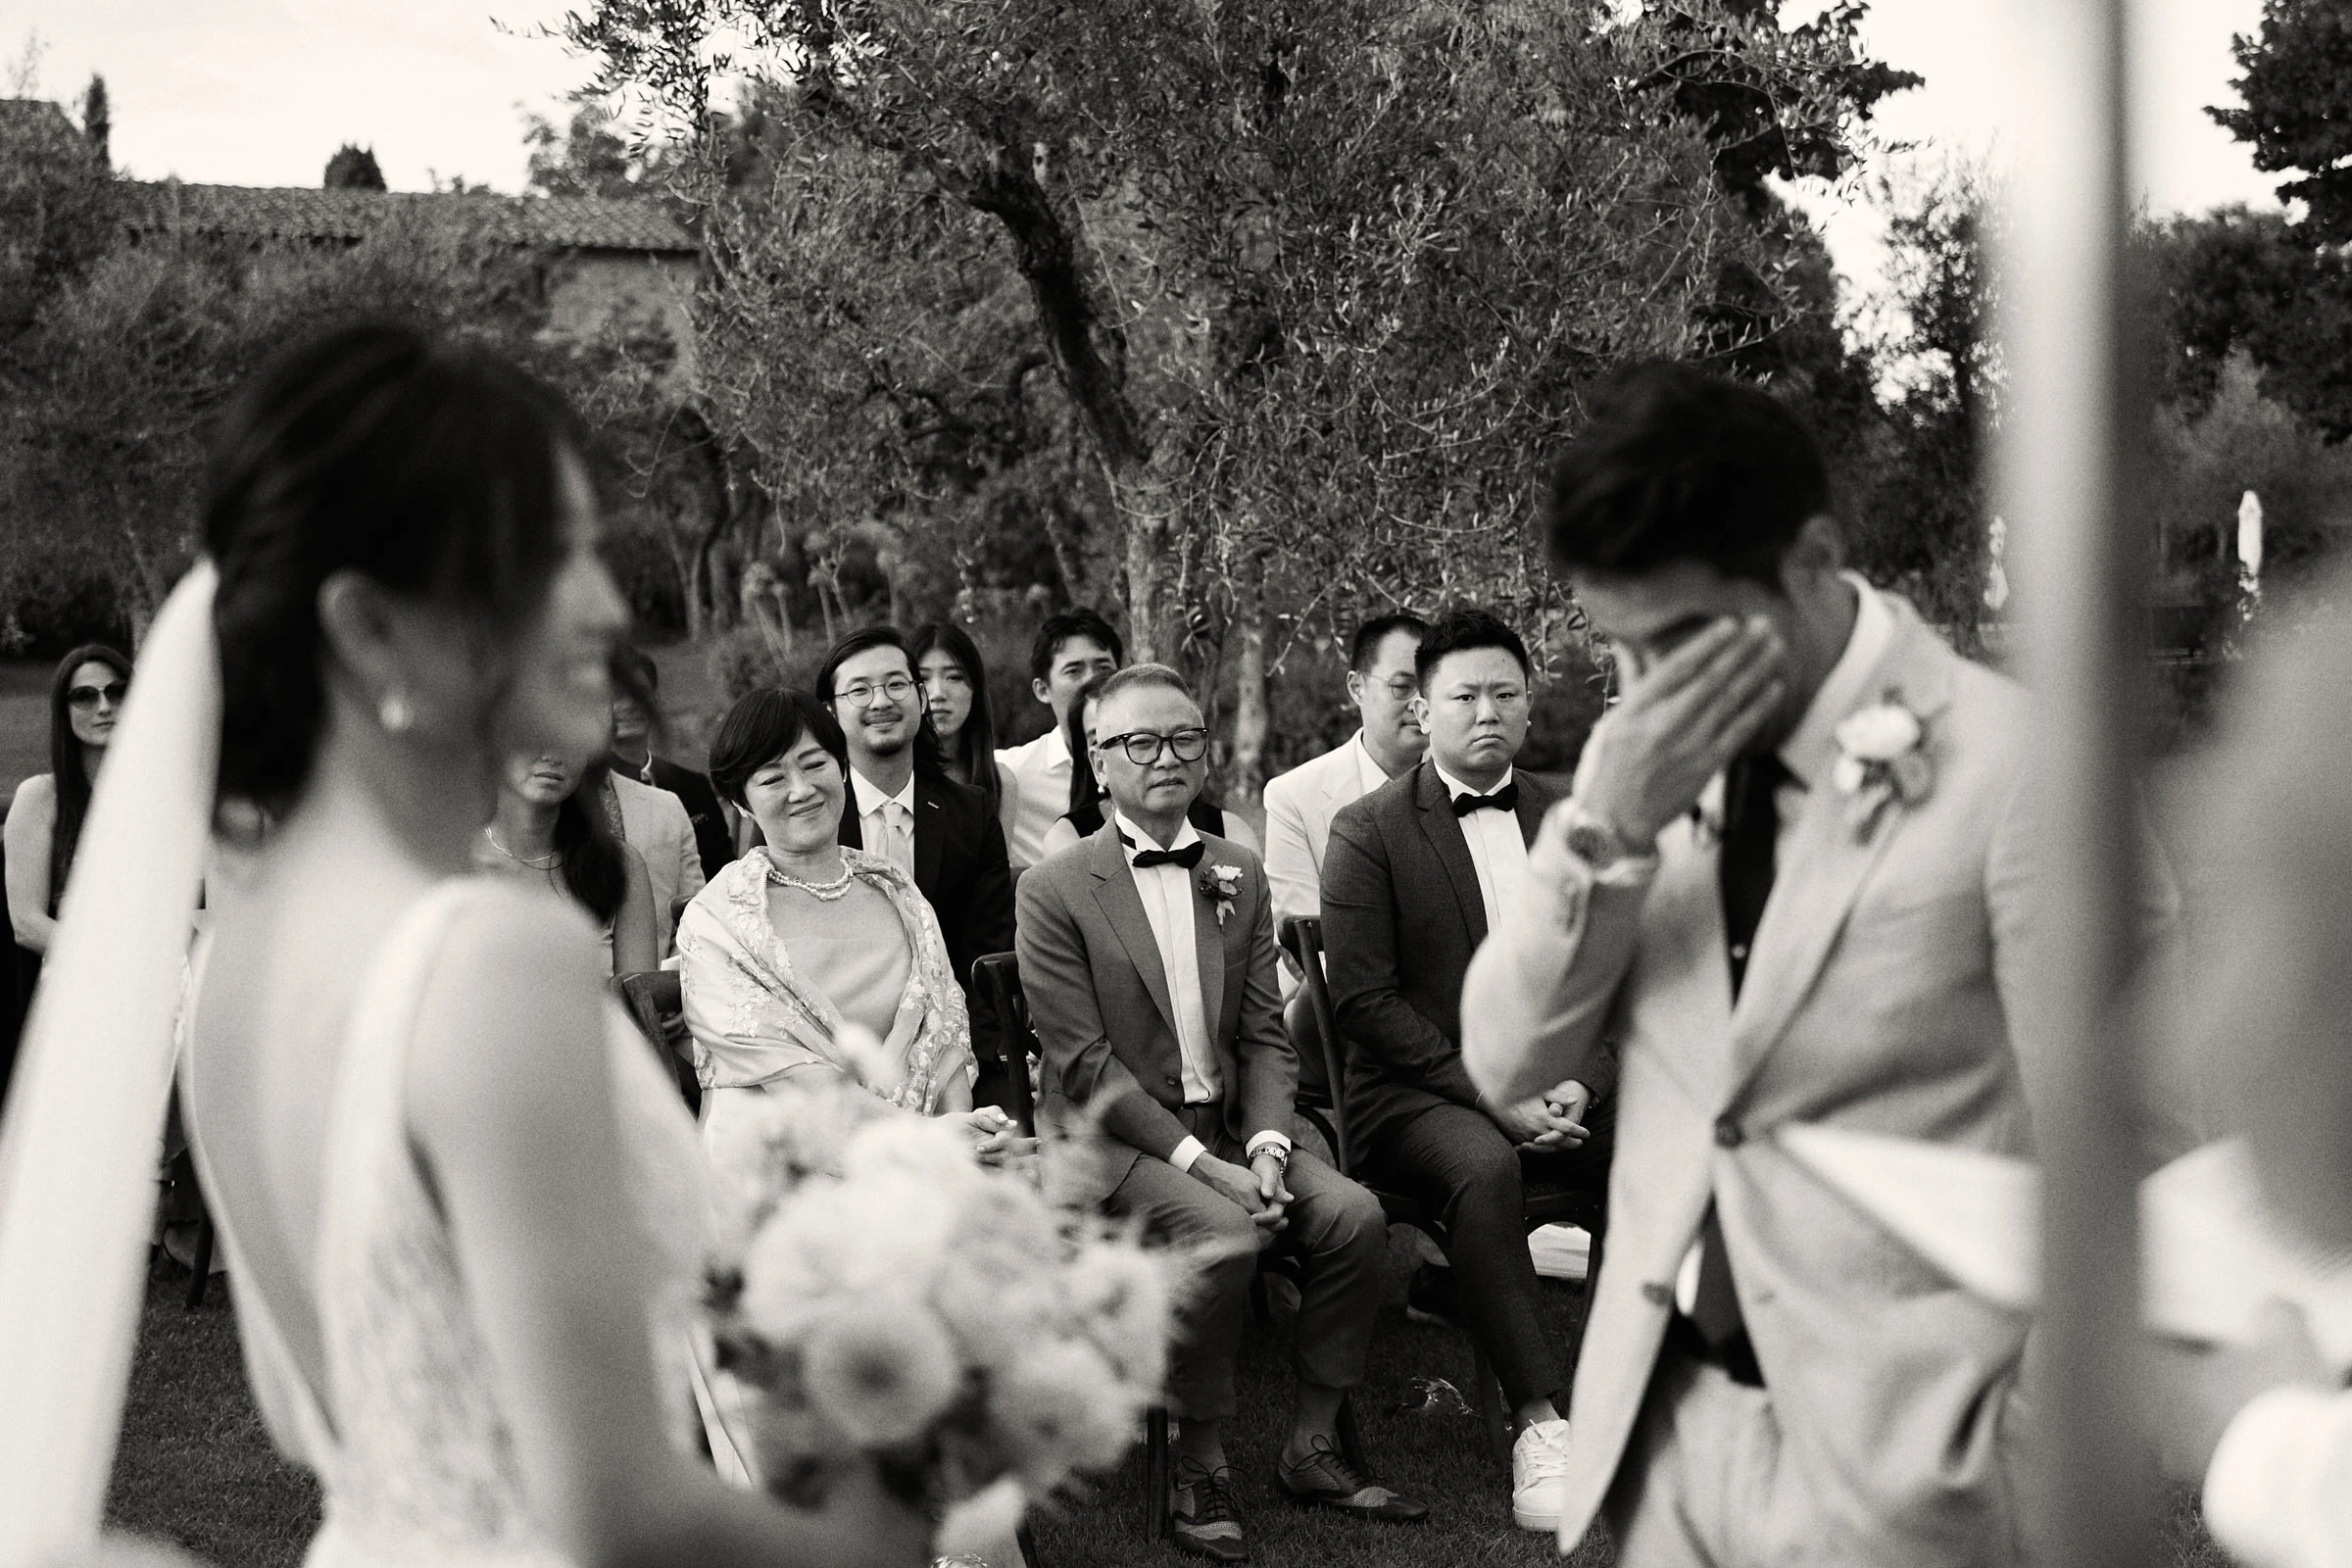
(1161, 744)
(114, 690)
(874, 689)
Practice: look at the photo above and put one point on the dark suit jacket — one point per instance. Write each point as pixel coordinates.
(1402, 916)
(959, 867)
(1106, 1021)
(713, 844)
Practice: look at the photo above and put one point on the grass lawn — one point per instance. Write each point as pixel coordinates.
(196, 1468)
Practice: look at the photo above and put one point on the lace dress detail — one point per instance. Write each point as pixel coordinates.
(410, 1443)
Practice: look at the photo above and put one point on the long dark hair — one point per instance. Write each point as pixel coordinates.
(434, 470)
(1087, 792)
(66, 764)
(974, 748)
(589, 843)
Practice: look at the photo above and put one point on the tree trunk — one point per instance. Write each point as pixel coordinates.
(1252, 716)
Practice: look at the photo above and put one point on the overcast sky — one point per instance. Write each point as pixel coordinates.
(261, 92)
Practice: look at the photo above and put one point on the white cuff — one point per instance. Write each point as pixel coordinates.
(1186, 1152)
(1269, 1139)
(2267, 1489)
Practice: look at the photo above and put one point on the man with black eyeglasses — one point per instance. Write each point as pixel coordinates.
(1147, 954)
(904, 806)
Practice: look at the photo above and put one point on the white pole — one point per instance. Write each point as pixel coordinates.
(2067, 430)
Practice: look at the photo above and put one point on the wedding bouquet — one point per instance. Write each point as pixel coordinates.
(894, 1303)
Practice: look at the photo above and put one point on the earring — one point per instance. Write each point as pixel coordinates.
(394, 713)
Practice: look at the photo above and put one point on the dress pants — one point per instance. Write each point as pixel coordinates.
(1456, 1160)
(1334, 1227)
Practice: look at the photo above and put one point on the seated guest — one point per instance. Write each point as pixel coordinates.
(1084, 818)
(636, 722)
(954, 681)
(1415, 875)
(546, 832)
(1301, 804)
(653, 822)
(904, 806)
(1071, 649)
(803, 937)
(1148, 957)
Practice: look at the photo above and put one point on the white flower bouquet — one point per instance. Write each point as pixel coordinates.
(894, 1302)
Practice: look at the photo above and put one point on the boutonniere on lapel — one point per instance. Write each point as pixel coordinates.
(1221, 883)
(1880, 759)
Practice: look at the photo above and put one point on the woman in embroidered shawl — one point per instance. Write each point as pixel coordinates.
(800, 949)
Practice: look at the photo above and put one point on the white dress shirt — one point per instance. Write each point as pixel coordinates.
(1167, 895)
(886, 822)
(1041, 772)
(1497, 849)
(1367, 766)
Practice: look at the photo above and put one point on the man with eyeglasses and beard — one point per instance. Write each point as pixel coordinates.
(904, 806)
(1147, 954)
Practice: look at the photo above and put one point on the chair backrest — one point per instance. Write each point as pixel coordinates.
(997, 976)
(656, 1002)
(1302, 935)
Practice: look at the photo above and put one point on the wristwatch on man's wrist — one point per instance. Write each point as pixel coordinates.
(1594, 841)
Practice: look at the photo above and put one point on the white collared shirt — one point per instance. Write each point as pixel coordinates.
(1041, 773)
(1497, 849)
(878, 813)
(1368, 766)
(1167, 895)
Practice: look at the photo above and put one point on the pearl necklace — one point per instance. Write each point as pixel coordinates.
(545, 863)
(822, 892)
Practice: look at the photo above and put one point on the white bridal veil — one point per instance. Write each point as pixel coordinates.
(78, 1150)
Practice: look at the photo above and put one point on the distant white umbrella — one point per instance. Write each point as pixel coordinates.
(1996, 575)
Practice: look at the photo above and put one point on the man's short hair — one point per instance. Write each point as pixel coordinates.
(1061, 627)
(1460, 629)
(1679, 465)
(1133, 675)
(634, 668)
(849, 647)
(763, 726)
(1365, 648)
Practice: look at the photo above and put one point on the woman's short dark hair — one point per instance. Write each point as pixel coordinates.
(1464, 627)
(763, 726)
(974, 749)
(72, 779)
(435, 469)
(1061, 627)
(1678, 465)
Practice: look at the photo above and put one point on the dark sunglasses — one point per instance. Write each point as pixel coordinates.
(88, 696)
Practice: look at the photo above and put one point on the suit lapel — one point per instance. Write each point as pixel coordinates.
(930, 835)
(1444, 834)
(1829, 865)
(1208, 947)
(1533, 801)
(852, 828)
(1114, 891)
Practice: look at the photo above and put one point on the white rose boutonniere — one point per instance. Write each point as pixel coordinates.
(1222, 883)
(1880, 758)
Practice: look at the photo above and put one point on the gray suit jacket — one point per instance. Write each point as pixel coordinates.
(1105, 1024)
(1885, 992)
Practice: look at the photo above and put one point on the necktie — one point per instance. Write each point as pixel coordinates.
(899, 836)
(1751, 823)
(1506, 799)
(1188, 856)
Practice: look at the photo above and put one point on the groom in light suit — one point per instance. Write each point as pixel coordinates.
(1791, 885)
(1147, 955)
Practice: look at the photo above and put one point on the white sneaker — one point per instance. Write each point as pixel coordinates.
(1538, 1469)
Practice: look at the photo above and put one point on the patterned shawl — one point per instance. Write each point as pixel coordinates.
(757, 1019)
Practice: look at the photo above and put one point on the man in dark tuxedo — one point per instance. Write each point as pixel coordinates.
(1415, 876)
(636, 721)
(1148, 957)
(904, 806)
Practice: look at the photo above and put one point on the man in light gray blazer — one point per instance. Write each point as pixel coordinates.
(1301, 804)
(656, 825)
(1147, 955)
(1791, 885)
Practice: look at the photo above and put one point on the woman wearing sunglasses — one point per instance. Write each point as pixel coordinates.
(1086, 794)
(45, 822)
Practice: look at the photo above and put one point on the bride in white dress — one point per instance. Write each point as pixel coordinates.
(459, 1198)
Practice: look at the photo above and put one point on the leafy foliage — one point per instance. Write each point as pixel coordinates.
(2297, 107)
(353, 168)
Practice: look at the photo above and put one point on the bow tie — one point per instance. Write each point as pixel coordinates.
(1506, 799)
(1188, 856)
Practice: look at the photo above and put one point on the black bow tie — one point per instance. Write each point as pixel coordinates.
(1506, 799)
(1188, 856)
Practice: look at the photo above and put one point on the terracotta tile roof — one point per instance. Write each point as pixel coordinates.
(552, 223)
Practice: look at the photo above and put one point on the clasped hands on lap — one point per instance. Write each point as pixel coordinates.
(1256, 1187)
(1552, 1119)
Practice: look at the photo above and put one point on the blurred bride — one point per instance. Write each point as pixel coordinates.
(462, 1243)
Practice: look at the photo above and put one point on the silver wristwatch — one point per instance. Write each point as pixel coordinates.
(1594, 841)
